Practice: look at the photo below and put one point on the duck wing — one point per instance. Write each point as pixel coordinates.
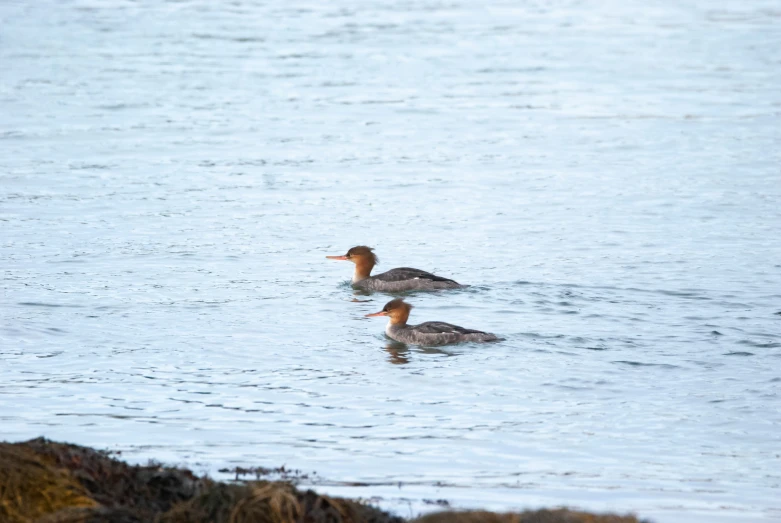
(440, 327)
(407, 273)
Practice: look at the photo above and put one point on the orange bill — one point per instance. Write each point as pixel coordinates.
(381, 313)
(336, 257)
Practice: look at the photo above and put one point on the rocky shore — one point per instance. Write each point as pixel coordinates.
(50, 482)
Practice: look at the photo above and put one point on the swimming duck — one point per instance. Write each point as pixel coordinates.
(394, 280)
(428, 333)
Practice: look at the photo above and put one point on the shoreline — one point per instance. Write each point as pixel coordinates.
(53, 482)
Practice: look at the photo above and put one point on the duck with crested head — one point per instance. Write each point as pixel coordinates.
(429, 333)
(394, 280)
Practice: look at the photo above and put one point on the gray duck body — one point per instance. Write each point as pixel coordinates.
(432, 333)
(406, 279)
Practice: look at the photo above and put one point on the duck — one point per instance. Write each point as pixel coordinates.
(430, 333)
(395, 280)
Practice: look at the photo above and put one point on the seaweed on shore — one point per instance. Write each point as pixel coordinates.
(273, 502)
(30, 488)
(49, 482)
(144, 490)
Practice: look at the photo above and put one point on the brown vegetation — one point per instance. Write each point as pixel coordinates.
(30, 488)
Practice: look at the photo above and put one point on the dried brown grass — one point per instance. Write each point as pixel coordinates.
(31, 488)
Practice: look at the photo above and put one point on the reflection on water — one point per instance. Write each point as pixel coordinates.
(604, 175)
(400, 353)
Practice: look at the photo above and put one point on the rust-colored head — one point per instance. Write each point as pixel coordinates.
(364, 259)
(398, 311)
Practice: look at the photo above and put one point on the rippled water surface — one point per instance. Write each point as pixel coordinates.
(606, 175)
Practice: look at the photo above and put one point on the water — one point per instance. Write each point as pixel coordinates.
(605, 174)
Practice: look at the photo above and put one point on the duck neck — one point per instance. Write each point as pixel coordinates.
(363, 268)
(399, 318)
